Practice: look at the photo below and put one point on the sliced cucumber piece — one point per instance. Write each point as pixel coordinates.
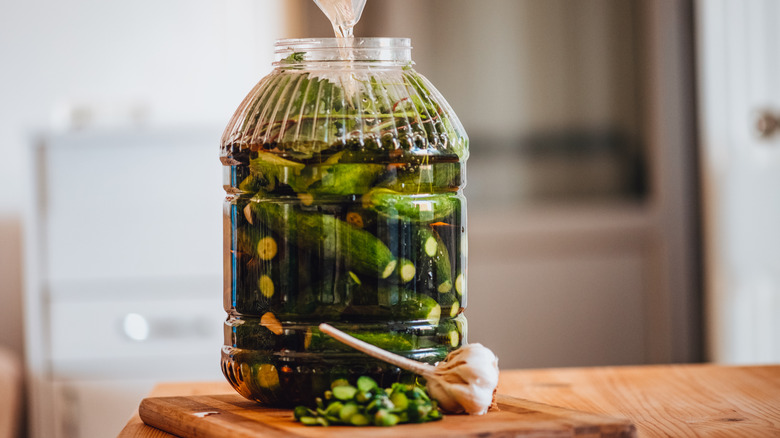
(344, 392)
(460, 284)
(406, 270)
(267, 248)
(266, 375)
(266, 286)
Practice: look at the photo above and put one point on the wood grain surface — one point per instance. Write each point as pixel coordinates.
(661, 401)
(230, 415)
(664, 400)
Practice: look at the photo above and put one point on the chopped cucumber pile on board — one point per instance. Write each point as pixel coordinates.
(366, 404)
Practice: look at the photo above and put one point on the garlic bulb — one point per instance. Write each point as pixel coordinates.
(465, 381)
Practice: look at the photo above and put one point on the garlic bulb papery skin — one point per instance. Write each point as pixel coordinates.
(465, 381)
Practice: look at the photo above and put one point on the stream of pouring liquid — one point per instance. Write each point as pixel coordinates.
(343, 14)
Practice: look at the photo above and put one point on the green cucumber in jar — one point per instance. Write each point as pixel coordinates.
(426, 178)
(251, 184)
(314, 340)
(450, 305)
(433, 258)
(397, 304)
(417, 208)
(346, 179)
(419, 308)
(390, 295)
(402, 304)
(346, 287)
(361, 250)
(449, 334)
(248, 333)
(406, 270)
(276, 170)
(392, 341)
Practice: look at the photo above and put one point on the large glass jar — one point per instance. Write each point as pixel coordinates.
(344, 171)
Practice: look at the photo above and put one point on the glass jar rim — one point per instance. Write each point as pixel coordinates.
(335, 49)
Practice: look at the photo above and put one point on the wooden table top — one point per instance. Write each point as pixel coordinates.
(661, 400)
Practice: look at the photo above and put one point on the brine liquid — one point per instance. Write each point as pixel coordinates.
(372, 245)
(343, 14)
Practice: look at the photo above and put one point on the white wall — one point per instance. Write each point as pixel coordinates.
(160, 62)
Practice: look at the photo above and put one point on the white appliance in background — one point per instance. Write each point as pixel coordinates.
(739, 105)
(123, 276)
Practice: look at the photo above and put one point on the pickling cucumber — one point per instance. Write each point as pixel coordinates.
(277, 170)
(417, 208)
(336, 291)
(443, 266)
(396, 304)
(346, 179)
(426, 178)
(332, 237)
(433, 260)
(248, 333)
(450, 306)
(384, 340)
(448, 333)
(419, 308)
(250, 184)
(390, 295)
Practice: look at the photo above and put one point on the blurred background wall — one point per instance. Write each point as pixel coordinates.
(116, 68)
(81, 63)
(582, 194)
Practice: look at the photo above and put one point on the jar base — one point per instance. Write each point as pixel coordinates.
(285, 380)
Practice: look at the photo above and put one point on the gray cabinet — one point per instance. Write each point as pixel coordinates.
(562, 287)
(124, 284)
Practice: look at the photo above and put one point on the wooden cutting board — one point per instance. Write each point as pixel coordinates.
(230, 415)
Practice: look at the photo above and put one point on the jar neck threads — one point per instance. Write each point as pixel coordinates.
(324, 52)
